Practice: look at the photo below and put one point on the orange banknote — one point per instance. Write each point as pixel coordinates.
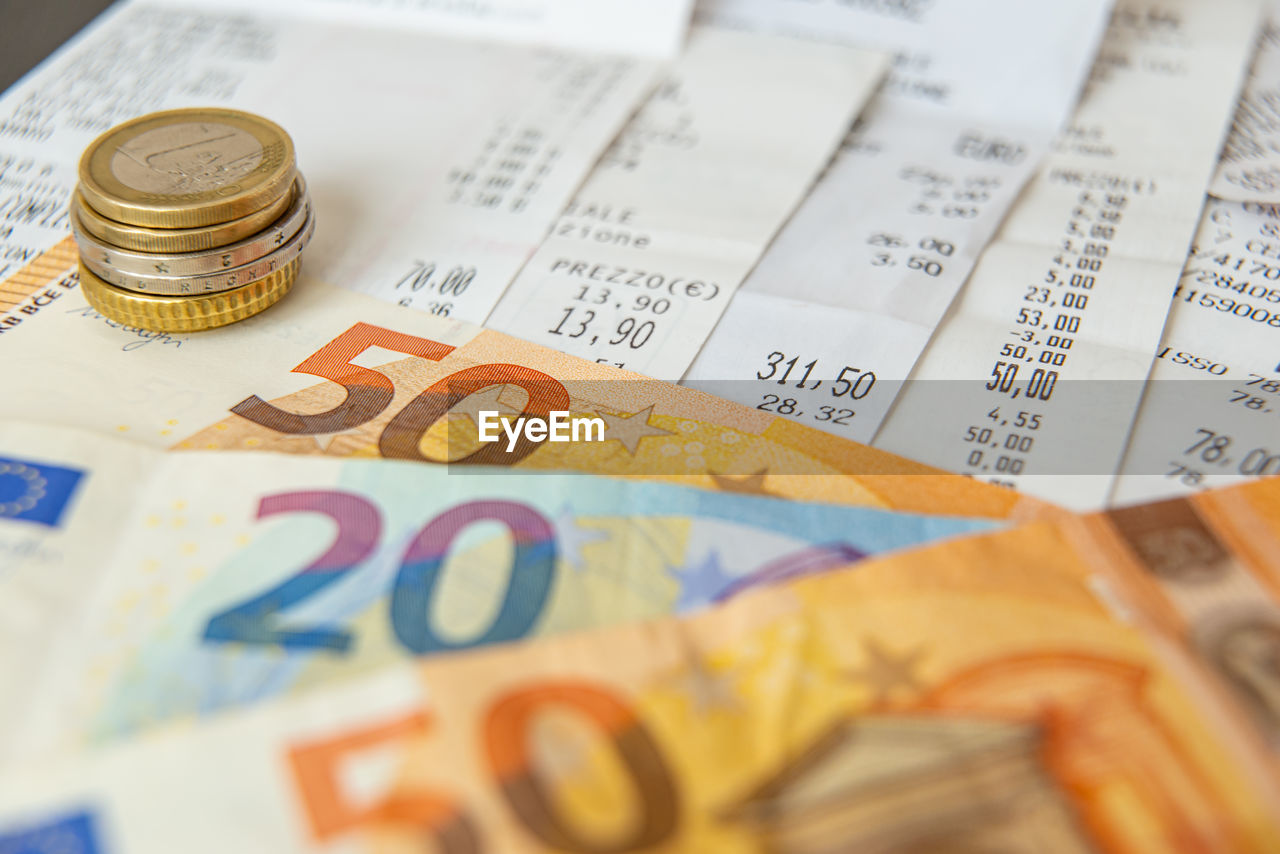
(1204, 573)
(996, 693)
(974, 695)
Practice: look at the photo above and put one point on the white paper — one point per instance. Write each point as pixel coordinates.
(653, 28)
(643, 262)
(1058, 325)
(893, 229)
(436, 166)
(1250, 166)
(1210, 416)
(229, 785)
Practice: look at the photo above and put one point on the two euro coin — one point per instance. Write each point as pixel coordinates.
(190, 219)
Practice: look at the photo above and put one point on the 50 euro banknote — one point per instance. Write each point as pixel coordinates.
(139, 587)
(976, 694)
(329, 372)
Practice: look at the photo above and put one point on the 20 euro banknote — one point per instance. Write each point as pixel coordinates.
(145, 587)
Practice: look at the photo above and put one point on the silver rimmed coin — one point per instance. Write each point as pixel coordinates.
(126, 262)
(226, 280)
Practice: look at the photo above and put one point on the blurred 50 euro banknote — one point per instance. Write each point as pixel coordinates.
(139, 587)
(332, 372)
(972, 695)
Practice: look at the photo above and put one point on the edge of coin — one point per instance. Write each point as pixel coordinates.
(188, 313)
(192, 214)
(138, 238)
(208, 283)
(98, 256)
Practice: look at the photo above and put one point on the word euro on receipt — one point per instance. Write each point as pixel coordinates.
(1036, 376)
(863, 273)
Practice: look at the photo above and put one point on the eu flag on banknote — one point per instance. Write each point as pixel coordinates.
(36, 492)
(68, 834)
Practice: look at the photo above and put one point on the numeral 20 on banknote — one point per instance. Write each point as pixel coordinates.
(416, 583)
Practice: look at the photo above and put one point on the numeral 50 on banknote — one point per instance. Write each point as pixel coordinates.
(505, 743)
(370, 392)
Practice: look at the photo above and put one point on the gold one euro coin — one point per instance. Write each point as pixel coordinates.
(187, 168)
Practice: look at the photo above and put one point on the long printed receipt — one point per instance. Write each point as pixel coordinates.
(438, 165)
(1036, 376)
(1249, 170)
(1209, 414)
(649, 253)
(850, 292)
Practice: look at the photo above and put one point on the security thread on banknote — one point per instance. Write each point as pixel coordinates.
(190, 219)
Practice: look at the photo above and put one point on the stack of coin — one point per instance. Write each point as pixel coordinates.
(190, 219)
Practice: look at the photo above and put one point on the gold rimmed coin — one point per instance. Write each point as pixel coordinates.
(187, 313)
(139, 238)
(187, 168)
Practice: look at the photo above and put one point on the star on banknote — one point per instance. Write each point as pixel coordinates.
(630, 429)
(571, 537)
(888, 673)
(707, 688)
(701, 583)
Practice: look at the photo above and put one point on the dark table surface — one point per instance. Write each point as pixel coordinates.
(30, 30)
